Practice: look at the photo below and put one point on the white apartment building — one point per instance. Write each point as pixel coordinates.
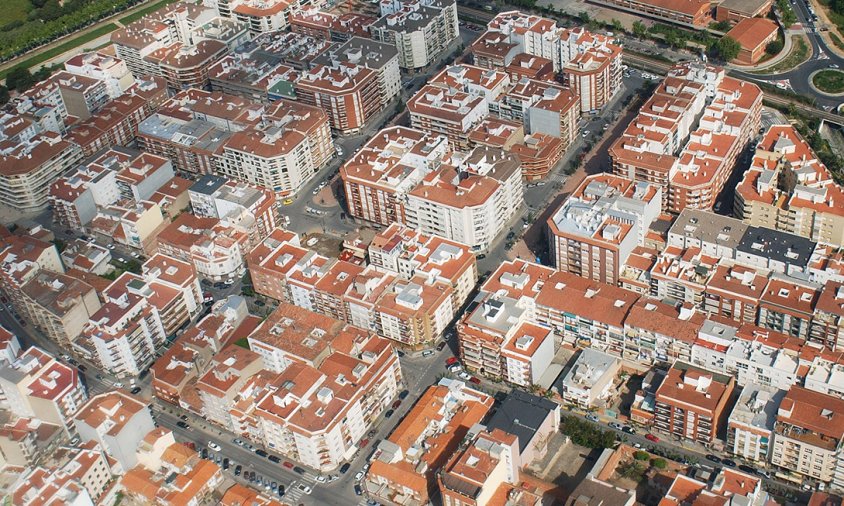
(471, 204)
(125, 332)
(37, 385)
(109, 69)
(118, 422)
(750, 428)
(421, 30)
(590, 378)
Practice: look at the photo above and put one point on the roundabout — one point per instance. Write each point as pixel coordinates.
(828, 81)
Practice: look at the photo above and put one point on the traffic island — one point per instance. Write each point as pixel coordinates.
(828, 81)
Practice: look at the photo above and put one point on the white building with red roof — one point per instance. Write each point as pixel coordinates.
(37, 385)
(118, 422)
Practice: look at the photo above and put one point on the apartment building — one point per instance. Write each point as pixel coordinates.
(279, 146)
(513, 32)
(334, 27)
(409, 253)
(58, 305)
(750, 427)
(36, 385)
(123, 334)
(117, 121)
(333, 381)
(118, 422)
(103, 67)
(475, 474)
(448, 112)
(662, 145)
(190, 355)
(596, 229)
(470, 202)
(827, 325)
(421, 30)
(215, 249)
(415, 311)
(503, 312)
(585, 313)
(378, 178)
(787, 188)
(787, 306)
(807, 436)
(116, 175)
(657, 332)
(405, 464)
(348, 92)
(539, 154)
(30, 160)
(236, 204)
(733, 292)
(226, 376)
(256, 76)
(260, 16)
(178, 42)
(379, 57)
(21, 258)
(591, 67)
(176, 292)
(691, 402)
(590, 379)
(82, 95)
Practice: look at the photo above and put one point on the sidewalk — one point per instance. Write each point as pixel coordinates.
(820, 10)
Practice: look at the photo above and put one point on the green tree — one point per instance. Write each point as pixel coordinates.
(773, 47)
(617, 26)
(631, 470)
(659, 463)
(727, 48)
(4, 95)
(640, 30)
(19, 79)
(641, 455)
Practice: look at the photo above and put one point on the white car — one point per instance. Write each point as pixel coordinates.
(321, 479)
(110, 246)
(135, 254)
(358, 475)
(464, 376)
(214, 446)
(304, 488)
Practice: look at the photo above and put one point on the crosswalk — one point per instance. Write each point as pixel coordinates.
(295, 492)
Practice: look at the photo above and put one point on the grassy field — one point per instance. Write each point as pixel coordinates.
(65, 46)
(799, 53)
(125, 20)
(830, 81)
(13, 10)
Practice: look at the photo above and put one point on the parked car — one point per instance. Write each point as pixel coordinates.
(427, 353)
(358, 489)
(364, 442)
(615, 425)
(389, 413)
(345, 468)
(298, 470)
(592, 418)
(135, 391)
(403, 394)
(288, 465)
(396, 404)
(713, 458)
(441, 346)
(651, 437)
(628, 429)
(274, 459)
(451, 361)
(225, 463)
(261, 453)
(475, 380)
(747, 469)
(182, 425)
(358, 475)
(238, 469)
(728, 462)
(214, 446)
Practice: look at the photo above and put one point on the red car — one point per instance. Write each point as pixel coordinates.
(364, 442)
(288, 465)
(474, 380)
(397, 404)
(651, 437)
(451, 360)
